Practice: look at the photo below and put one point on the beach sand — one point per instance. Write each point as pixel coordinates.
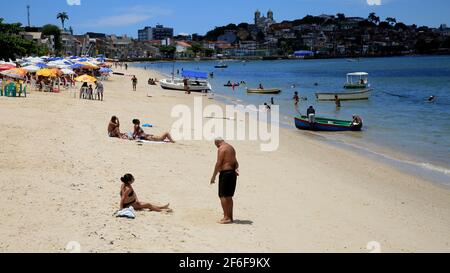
(60, 181)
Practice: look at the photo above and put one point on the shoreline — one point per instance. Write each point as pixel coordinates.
(272, 58)
(307, 196)
(433, 172)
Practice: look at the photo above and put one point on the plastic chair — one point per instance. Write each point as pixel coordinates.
(23, 91)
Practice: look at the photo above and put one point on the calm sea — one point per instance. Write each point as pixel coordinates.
(400, 125)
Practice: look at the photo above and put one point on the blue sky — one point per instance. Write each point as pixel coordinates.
(199, 16)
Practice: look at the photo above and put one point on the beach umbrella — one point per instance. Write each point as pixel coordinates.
(105, 70)
(77, 66)
(41, 65)
(16, 73)
(4, 67)
(49, 72)
(85, 78)
(66, 71)
(88, 65)
(31, 68)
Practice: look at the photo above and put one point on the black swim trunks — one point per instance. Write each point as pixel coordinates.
(227, 183)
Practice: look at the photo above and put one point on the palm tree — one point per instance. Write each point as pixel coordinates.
(373, 18)
(392, 21)
(63, 17)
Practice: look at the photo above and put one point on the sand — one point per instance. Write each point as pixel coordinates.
(60, 180)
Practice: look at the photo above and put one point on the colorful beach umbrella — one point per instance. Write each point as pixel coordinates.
(41, 65)
(88, 65)
(49, 72)
(66, 71)
(16, 73)
(86, 78)
(31, 68)
(105, 70)
(4, 67)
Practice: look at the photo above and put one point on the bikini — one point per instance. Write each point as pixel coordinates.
(126, 205)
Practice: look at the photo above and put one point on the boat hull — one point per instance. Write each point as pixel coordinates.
(355, 86)
(345, 96)
(264, 91)
(326, 125)
(179, 86)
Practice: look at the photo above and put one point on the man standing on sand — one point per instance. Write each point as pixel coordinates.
(186, 86)
(228, 167)
(134, 80)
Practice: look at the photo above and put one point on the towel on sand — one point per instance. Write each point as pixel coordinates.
(151, 142)
(127, 213)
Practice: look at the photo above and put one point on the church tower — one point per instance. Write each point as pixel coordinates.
(257, 17)
(270, 15)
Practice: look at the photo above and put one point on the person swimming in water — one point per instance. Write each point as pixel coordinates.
(432, 99)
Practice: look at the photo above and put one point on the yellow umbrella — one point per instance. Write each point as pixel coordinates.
(49, 72)
(85, 78)
(87, 65)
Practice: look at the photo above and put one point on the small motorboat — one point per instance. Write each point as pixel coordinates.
(345, 96)
(197, 82)
(326, 124)
(221, 65)
(263, 91)
(357, 80)
(231, 85)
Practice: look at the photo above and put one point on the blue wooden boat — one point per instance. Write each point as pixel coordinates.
(326, 124)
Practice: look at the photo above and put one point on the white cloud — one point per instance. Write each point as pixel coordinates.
(374, 2)
(129, 16)
(74, 2)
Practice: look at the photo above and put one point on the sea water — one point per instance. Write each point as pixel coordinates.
(400, 125)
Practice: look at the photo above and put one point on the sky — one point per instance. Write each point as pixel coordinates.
(199, 16)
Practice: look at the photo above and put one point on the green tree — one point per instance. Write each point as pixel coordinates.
(260, 37)
(392, 21)
(63, 17)
(340, 16)
(208, 52)
(196, 48)
(168, 51)
(52, 30)
(373, 18)
(13, 45)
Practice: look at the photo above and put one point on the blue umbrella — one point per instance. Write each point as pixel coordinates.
(105, 70)
(76, 66)
(41, 65)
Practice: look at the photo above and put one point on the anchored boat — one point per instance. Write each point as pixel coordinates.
(197, 82)
(344, 96)
(326, 124)
(263, 91)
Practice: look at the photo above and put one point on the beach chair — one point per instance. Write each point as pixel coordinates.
(10, 90)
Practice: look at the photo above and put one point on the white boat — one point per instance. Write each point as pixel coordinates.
(344, 96)
(357, 80)
(195, 85)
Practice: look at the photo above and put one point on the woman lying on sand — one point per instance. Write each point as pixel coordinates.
(114, 129)
(129, 198)
(141, 135)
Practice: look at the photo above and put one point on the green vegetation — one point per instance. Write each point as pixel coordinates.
(13, 45)
(168, 51)
(52, 30)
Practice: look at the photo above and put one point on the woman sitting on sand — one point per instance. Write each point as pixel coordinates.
(114, 129)
(128, 197)
(139, 134)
